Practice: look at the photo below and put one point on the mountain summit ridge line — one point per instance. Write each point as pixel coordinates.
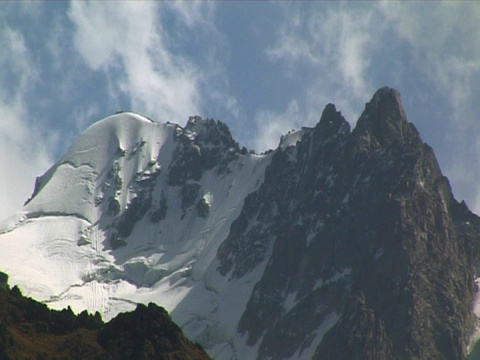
(274, 255)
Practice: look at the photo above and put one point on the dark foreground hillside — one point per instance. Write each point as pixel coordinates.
(29, 330)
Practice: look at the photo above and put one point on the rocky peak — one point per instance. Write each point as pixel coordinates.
(331, 123)
(361, 224)
(210, 133)
(383, 122)
(202, 145)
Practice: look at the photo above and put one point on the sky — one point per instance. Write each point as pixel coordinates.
(263, 68)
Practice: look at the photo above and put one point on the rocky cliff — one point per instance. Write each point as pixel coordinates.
(366, 234)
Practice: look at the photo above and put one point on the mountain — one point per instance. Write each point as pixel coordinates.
(340, 243)
(29, 330)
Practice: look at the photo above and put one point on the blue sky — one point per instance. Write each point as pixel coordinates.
(261, 67)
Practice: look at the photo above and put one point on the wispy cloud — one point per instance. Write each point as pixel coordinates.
(272, 125)
(333, 43)
(446, 48)
(23, 153)
(144, 56)
(132, 42)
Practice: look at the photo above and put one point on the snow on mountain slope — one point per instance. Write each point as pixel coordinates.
(106, 228)
(339, 243)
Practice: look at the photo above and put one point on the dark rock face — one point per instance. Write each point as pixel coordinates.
(367, 340)
(362, 227)
(137, 208)
(29, 330)
(217, 146)
(203, 208)
(420, 289)
(202, 145)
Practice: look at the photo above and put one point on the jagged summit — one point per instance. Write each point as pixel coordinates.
(387, 103)
(383, 121)
(211, 132)
(208, 143)
(278, 255)
(331, 123)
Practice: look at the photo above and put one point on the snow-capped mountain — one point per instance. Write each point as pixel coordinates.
(337, 243)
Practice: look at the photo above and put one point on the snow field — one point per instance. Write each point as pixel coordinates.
(57, 250)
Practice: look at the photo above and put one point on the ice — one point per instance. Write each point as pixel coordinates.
(57, 248)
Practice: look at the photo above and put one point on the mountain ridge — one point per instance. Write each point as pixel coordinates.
(276, 255)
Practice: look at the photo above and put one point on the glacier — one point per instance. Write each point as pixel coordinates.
(57, 248)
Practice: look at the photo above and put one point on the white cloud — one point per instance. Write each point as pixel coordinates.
(271, 126)
(193, 14)
(133, 44)
(333, 43)
(335, 40)
(445, 42)
(23, 154)
(129, 36)
(15, 55)
(345, 43)
(290, 45)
